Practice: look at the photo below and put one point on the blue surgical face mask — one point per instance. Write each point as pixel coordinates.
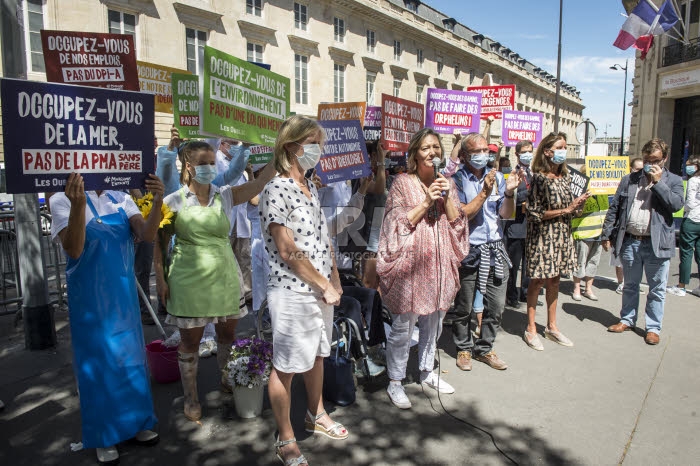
(526, 158)
(205, 174)
(559, 156)
(479, 161)
(690, 170)
(647, 167)
(236, 150)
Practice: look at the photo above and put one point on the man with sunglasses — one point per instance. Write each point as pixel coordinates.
(639, 224)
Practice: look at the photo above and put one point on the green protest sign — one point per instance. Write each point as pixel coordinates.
(185, 89)
(241, 100)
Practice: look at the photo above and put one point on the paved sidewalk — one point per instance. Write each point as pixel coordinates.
(609, 399)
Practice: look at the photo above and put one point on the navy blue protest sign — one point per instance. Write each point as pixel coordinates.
(344, 152)
(53, 130)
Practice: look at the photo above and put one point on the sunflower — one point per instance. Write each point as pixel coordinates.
(167, 215)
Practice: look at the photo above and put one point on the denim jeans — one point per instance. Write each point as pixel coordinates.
(491, 320)
(638, 256)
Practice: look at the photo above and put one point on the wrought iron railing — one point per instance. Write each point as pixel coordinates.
(681, 53)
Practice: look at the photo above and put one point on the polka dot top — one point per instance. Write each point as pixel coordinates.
(283, 202)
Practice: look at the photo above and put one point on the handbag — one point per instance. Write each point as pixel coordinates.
(338, 380)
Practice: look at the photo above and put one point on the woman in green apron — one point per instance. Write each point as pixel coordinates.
(201, 285)
(95, 229)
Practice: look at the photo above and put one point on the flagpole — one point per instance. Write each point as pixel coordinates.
(678, 13)
(556, 96)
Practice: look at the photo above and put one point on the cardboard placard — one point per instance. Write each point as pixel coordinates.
(344, 152)
(519, 126)
(157, 80)
(90, 59)
(260, 156)
(241, 100)
(579, 182)
(342, 111)
(605, 173)
(185, 89)
(401, 119)
(448, 111)
(495, 99)
(373, 123)
(53, 130)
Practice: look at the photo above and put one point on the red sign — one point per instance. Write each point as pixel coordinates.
(90, 59)
(401, 119)
(495, 99)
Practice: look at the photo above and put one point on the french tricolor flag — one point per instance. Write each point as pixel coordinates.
(643, 23)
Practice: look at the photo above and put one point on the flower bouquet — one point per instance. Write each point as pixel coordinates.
(166, 227)
(247, 371)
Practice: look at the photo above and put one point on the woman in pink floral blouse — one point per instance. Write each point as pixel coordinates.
(423, 240)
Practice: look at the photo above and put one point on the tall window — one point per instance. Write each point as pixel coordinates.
(301, 79)
(121, 23)
(419, 58)
(338, 83)
(300, 17)
(371, 41)
(419, 93)
(439, 65)
(369, 93)
(397, 88)
(253, 7)
(456, 70)
(255, 53)
(397, 50)
(339, 29)
(195, 41)
(33, 23)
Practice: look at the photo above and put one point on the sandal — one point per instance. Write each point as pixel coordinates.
(292, 461)
(334, 431)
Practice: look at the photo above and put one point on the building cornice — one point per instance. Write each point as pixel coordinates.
(257, 33)
(145, 7)
(398, 71)
(440, 83)
(303, 45)
(372, 64)
(421, 78)
(200, 18)
(341, 56)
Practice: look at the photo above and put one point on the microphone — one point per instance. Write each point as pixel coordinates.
(436, 164)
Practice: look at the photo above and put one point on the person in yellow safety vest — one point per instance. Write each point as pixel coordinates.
(586, 227)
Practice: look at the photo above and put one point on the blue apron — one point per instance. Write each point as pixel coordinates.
(108, 345)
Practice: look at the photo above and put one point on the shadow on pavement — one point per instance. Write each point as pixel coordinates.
(590, 312)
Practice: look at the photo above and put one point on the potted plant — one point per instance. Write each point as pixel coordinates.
(247, 371)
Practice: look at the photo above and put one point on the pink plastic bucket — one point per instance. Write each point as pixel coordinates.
(163, 362)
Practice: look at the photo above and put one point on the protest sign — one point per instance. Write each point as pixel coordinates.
(448, 111)
(401, 119)
(185, 89)
(396, 159)
(156, 79)
(495, 99)
(260, 156)
(579, 182)
(90, 59)
(344, 152)
(53, 130)
(518, 126)
(241, 100)
(373, 123)
(606, 173)
(342, 111)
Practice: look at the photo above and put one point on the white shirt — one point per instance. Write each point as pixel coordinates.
(284, 203)
(239, 215)
(692, 199)
(60, 208)
(174, 200)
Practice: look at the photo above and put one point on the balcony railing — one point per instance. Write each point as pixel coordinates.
(680, 52)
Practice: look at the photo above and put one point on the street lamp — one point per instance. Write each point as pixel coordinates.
(624, 105)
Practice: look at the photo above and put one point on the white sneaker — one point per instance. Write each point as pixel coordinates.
(397, 395)
(620, 288)
(674, 290)
(207, 348)
(108, 455)
(435, 382)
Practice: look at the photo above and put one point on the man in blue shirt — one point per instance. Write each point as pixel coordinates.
(485, 197)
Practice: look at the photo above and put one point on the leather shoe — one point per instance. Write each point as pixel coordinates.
(490, 359)
(464, 360)
(651, 338)
(619, 328)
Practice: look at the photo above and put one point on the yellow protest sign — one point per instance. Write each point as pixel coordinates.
(155, 79)
(605, 173)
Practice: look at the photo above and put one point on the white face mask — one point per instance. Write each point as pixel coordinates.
(309, 159)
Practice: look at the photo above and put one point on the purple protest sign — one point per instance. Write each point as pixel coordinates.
(344, 152)
(373, 123)
(448, 111)
(518, 126)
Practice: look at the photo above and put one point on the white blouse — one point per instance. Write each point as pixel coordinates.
(60, 208)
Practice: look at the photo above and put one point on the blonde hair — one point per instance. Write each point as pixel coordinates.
(540, 163)
(188, 153)
(296, 128)
(414, 146)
